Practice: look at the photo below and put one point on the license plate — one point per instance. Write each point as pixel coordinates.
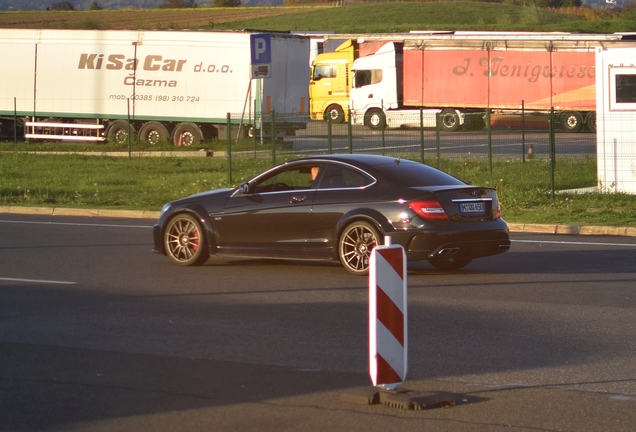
(476, 207)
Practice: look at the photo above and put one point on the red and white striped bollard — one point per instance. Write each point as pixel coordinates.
(388, 350)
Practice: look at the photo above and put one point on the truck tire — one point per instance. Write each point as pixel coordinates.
(449, 120)
(375, 119)
(571, 121)
(474, 123)
(590, 122)
(187, 134)
(335, 113)
(117, 132)
(153, 132)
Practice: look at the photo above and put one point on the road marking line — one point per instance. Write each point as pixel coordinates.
(575, 243)
(38, 281)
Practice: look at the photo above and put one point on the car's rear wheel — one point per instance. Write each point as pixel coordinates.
(449, 263)
(184, 241)
(355, 246)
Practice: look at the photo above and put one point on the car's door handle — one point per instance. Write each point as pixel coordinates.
(297, 199)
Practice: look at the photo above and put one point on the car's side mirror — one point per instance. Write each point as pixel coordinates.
(244, 188)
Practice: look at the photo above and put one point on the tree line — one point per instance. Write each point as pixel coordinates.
(167, 4)
(178, 4)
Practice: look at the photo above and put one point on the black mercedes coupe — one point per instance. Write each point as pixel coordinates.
(337, 207)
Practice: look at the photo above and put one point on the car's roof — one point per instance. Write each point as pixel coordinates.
(364, 159)
(404, 171)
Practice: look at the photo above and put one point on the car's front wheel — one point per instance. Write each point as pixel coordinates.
(355, 246)
(185, 241)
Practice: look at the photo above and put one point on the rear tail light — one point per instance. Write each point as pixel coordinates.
(428, 209)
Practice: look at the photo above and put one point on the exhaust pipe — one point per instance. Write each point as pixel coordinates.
(448, 251)
(504, 247)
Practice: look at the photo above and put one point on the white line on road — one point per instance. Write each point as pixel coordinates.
(38, 281)
(575, 243)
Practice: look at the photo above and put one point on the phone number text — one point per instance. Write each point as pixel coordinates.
(158, 98)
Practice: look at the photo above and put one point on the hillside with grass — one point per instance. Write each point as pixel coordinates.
(354, 18)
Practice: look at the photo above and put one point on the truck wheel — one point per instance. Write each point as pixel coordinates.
(571, 121)
(474, 123)
(374, 118)
(450, 120)
(335, 113)
(187, 134)
(590, 122)
(153, 132)
(118, 132)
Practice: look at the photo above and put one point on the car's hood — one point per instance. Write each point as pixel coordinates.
(206, 196)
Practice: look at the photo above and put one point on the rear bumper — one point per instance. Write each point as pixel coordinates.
(466, 244)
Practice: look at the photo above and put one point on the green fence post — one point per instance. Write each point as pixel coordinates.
(273, 137)
(552, 153)
(523, 131)
(228, 136)
(329, 136)
(128, 132)
(422, 135)
(350, 132)
(489, 129)
(438, 118)
(15, 123)
(383, 127)
(254, 129)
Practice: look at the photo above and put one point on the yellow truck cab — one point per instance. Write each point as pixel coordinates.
(330, 83)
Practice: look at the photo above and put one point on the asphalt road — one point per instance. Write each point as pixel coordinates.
(99, 334)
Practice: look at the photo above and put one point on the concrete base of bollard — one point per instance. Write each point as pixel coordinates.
(399, 398)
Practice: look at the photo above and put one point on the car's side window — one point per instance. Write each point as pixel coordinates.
(337, 176)
(293, 178)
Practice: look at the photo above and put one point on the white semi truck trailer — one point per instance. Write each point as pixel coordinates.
(95, 85)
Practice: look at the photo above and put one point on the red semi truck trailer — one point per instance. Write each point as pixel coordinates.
(462, 76)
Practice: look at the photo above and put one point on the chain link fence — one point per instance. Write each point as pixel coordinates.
(537, 145)
(479, 136)
(530, 140)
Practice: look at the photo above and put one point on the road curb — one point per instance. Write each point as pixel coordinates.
(571, 229)
(145, 214)
(55, 211)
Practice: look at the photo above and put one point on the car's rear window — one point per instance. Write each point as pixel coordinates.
(414, 174)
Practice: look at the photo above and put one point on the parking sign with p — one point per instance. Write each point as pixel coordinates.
(260, 47)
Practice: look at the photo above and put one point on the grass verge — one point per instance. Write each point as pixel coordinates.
(80, 181)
